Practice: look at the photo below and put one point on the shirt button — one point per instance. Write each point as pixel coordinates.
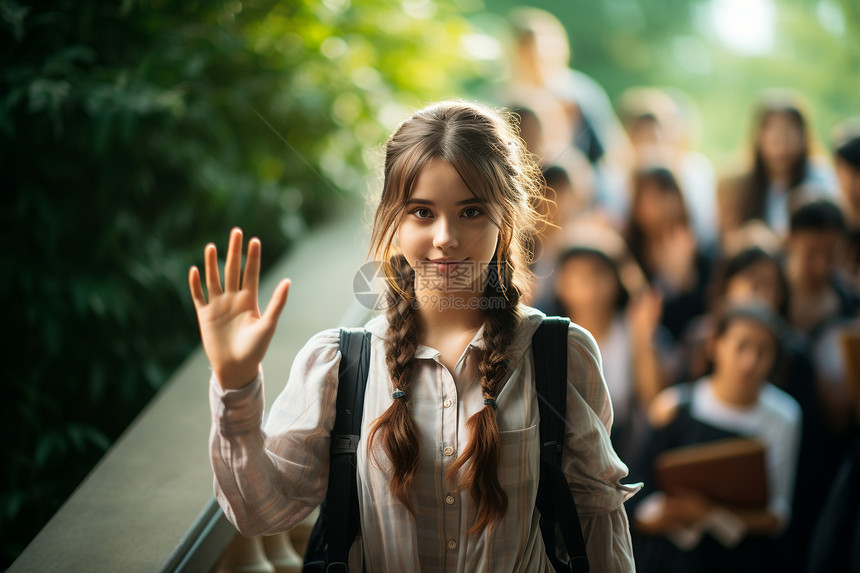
(452, 544)
(448, 403)
(450, 500)
(448, 451)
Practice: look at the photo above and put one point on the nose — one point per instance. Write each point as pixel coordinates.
(445, 234)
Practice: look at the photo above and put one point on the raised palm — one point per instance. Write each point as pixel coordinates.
(235, 335)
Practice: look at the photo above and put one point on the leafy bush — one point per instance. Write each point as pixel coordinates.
(132, 133)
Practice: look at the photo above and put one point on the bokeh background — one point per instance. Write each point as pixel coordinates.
(133, 132)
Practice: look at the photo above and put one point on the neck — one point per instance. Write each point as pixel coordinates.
(723, 391)
(779, 177)
(455, 310)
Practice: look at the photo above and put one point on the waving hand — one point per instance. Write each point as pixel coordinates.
(235, 335)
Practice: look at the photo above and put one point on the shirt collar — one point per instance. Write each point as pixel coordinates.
(530, 320)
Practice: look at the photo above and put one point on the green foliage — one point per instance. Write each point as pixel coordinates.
(132, 133)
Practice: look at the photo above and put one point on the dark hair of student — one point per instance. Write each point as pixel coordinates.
(758, 313)
(739, 263)
(849, 151)
(818, 216)
(485, 151)
(667, 183)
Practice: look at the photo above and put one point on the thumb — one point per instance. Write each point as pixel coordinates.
(277, 302)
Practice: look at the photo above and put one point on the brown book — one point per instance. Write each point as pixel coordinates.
(850, 340)
(731, 471)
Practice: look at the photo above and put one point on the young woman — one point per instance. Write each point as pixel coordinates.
(686, 531)
(660, 236)
(783, 173)
(448, 461)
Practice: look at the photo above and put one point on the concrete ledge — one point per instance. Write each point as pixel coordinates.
(147, 505)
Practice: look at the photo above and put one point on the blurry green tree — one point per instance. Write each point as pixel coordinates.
(132, 133)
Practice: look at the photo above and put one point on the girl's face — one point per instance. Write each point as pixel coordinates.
(813, 256)
(656, 210)
(743, 358)
(587, 286)
(780, 142)
(446, 233)
(759, 283)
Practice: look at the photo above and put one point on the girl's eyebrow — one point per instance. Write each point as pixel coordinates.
(429, 202)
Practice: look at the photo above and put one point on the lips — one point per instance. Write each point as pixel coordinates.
(446, 264)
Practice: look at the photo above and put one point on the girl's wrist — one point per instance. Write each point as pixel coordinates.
(235, 378)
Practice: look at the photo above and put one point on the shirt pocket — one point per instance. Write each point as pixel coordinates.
(520, 456)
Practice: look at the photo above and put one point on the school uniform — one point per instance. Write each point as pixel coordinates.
(701, 417)
(268, 480)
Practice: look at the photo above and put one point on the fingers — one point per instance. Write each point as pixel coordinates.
(251, 280)
(196, 288)
(278, 301)
(213, 280)
(233, 265)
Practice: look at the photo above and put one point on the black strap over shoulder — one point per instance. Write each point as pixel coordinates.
(342, 487)
(554, 499)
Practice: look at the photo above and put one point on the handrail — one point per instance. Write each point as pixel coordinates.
(148, 504)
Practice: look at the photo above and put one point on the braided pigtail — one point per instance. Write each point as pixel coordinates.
(395, 429)
(481, 476)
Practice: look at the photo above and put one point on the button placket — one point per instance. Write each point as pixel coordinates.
(450, 509)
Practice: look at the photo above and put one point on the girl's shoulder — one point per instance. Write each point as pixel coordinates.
(665, 406)
(780, 405)
(580, 342)
(320, 351)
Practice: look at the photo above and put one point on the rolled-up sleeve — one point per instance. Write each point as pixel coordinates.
(593, 469)
(267, 479)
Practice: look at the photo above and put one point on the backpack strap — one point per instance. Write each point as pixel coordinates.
(342, 515)
(554, 498)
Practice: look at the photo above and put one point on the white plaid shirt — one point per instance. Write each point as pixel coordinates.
(269, 480)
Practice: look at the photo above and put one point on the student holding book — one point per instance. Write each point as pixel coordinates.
(684, 530)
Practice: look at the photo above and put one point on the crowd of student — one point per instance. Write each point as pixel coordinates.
(724, 304)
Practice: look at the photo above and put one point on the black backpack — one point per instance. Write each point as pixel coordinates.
(338, 523)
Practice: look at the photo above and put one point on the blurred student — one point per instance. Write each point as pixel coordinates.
(814, 248)
(659, 130)
(562, 202)
(578, 113)
(542, 60)
(784, 173)
(752, 276)
(624, 319)
(755, 276)
(687, 532)
(847, 159)
(835, 544)
(661, 239)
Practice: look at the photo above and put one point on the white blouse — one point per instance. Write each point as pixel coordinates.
(268, 480)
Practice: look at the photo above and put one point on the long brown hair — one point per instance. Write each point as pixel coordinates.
(484, 149)
(758, 181)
